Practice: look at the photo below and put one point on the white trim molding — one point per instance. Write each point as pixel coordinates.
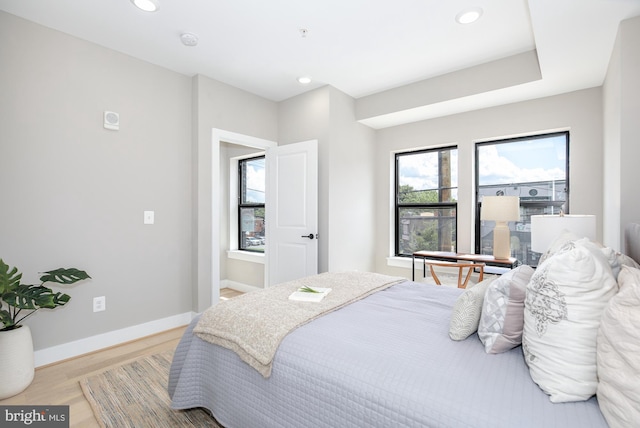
(111, 338)
(238, 286)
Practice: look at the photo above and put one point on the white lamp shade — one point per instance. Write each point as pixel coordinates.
(546, 228)
(500, 208)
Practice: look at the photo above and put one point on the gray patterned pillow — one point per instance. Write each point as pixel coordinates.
(502, 319)
(467, 310)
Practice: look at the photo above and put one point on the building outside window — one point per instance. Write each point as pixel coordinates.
(535, 168)
(426, 194)
(251, 209)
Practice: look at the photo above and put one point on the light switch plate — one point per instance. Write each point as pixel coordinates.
(149, 217)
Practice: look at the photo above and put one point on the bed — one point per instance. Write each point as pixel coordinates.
(386, 359)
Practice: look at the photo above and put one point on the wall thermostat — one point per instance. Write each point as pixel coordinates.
(111, 120)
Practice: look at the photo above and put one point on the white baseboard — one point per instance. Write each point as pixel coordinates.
(238, 286)
(105, 340)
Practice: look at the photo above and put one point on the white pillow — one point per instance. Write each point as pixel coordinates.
(502, 319)
(467, 310)
(619, 353)
(566, 237)
(563, 306)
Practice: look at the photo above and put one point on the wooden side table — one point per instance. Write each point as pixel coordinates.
(445, 256)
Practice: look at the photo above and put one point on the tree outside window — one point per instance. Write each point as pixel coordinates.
(426, 200)
(251, 208)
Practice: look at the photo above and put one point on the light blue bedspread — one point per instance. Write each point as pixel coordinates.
(384, 361)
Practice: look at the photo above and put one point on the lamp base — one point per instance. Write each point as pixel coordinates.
(501, 241)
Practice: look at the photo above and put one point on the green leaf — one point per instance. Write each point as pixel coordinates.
(9, 278)
(5, 319)
(64, 276)
(35, 297)
(306, 289)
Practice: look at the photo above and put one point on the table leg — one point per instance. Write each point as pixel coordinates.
(413, 267)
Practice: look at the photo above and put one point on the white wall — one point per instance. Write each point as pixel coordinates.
(580, 112)
(622, 133)
(73, 193)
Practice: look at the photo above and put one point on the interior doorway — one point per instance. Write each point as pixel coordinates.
(219, 138)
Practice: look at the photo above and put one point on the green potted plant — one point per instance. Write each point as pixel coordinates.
(17, 302)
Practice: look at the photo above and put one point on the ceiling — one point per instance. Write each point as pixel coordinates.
(361, 47)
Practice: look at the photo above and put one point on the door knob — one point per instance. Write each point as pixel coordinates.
(310, 236)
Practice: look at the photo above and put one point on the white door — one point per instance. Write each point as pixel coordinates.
(292, 211)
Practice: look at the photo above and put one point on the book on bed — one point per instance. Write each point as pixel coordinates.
(307, 294)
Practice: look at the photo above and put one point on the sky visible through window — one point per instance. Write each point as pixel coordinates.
(420, 171)
(255, 179)
(523, 161)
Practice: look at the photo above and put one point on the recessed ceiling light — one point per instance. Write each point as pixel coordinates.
(468, 16)
(189, 39)
(146, 5)
(304, 80)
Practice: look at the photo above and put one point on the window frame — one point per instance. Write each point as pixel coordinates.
(524, 204)
(241, 204)
(434, 205)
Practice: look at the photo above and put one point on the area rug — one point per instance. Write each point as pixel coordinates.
(135, 395)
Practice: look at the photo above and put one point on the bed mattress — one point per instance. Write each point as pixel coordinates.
(386, 360)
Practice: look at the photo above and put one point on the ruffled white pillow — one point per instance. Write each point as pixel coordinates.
(618, 353)
(563, 306)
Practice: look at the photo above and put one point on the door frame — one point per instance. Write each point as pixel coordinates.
(218, 136)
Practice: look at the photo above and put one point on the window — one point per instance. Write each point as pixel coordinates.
(536, 169)
(426, 197)
(251, 197)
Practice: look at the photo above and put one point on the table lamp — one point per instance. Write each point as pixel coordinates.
(501, 209)
(546, 228)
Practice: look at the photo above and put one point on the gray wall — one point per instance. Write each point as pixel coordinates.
(345, 173)
(303, 118)
(73, 193)
(621, 93)
(580, 112)
(223, 107)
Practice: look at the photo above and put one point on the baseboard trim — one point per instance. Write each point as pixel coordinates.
(111, 338)
(238, 286)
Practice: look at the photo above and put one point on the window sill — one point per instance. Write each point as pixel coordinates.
(246, 256)
(402, 262)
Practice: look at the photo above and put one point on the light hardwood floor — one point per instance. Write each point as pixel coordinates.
(58, 384)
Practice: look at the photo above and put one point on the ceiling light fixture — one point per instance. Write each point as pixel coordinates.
(146, 5)
(468, 16)
(189, 39)
(304, 80)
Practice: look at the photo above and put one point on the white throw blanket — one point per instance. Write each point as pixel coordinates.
(253, 324)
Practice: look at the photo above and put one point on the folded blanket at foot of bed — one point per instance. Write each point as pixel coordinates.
(254, 324)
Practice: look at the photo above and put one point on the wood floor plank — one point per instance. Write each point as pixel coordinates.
(58, 383)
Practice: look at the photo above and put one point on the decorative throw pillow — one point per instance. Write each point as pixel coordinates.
(467, 310)
(615, 259)
(566, 237)
(563, 306)
(619, 353)
(502, 319)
